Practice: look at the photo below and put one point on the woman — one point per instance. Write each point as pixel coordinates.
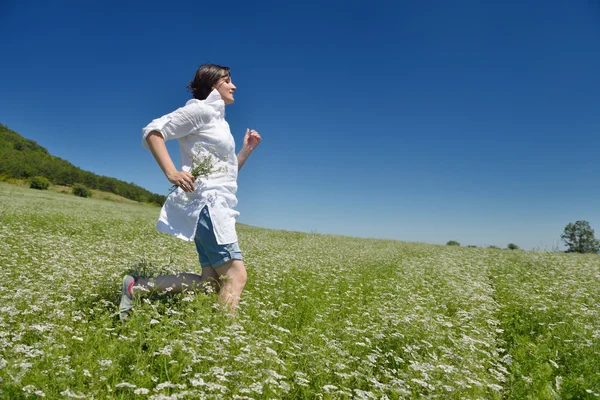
(202, 206)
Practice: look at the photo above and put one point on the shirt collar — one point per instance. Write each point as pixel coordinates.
(215, 100)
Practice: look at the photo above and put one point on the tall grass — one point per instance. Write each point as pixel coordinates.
(322, 316)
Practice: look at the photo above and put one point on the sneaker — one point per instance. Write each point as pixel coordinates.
(126, 297)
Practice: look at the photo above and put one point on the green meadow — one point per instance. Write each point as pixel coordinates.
(322, 316)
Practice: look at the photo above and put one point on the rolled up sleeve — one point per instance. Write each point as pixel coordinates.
(181, 122)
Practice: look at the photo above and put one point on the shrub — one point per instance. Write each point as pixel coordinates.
(452, 243)
(512, 246)
(39, 182)
(80, 190)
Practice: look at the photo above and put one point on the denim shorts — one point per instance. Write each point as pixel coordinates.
(211, 253)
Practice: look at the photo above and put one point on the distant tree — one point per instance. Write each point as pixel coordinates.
(579, 238)
(512, 246)
(39, 182)
(452, 243)
(20, 145)
(90, 180)
(80, 190)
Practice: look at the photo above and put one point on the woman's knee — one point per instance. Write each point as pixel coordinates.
(242, 275)
(234, 271)
(239, 276)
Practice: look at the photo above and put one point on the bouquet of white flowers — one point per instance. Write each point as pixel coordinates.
(202, 166)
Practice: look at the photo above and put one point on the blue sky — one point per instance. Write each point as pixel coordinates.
(472, 121)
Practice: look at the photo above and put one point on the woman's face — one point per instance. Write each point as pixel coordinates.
(226, 88)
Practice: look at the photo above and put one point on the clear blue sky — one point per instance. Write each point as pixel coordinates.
(475, 121)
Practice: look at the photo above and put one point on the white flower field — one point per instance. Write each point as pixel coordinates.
(322, 317)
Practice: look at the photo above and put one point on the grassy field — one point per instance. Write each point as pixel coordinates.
(323, 317)
(94, 194)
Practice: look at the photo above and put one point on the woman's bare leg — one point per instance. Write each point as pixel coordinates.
(167, 283)
(180, 282)
(229, 289)
(233, 279)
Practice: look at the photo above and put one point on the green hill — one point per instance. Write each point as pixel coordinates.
(23, 158)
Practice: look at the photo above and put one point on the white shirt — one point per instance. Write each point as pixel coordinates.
(201, 130)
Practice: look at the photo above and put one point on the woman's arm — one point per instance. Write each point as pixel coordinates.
(251, 140)
(183, 179)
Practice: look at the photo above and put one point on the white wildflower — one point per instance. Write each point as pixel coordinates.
(301, 381)
(29, 389)
(495, 387)
(270, 351)
(558, 381)
(125, 385)
(329, 388)
(256, 387)
(197, 382)
(423, 383)
(170, 385)
(71, 395)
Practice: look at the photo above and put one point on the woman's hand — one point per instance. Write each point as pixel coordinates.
(251, 139)
(182, 179)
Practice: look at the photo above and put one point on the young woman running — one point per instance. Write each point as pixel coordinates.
(202, 206)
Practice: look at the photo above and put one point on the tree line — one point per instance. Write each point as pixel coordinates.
(21, 158)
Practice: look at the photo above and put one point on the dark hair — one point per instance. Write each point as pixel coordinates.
(206, 76)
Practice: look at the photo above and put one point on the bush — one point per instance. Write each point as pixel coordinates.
(39, 182)
(512, 246)
(452, 243)
(80, 190)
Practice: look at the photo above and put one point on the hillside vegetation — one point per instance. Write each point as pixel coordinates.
(323, 316)
(22, 158)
